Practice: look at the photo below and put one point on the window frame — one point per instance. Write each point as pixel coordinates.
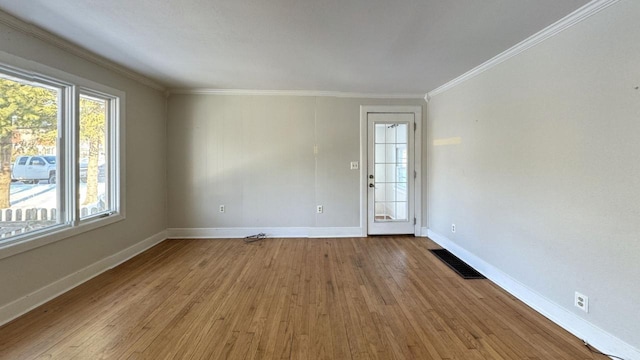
(112, 171)
(67, 165)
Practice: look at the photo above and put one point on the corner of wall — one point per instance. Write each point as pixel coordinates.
(571, 322)
(29, 302)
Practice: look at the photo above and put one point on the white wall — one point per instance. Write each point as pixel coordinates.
(255, 155)
(545, 182)
(28, 272)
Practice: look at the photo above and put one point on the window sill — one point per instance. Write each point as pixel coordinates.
(32, 241)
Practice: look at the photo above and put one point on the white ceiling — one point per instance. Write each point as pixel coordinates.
(364, 46)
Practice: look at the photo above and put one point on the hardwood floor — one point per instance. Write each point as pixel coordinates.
(360, 298)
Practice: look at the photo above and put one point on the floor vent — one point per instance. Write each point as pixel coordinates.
(457, 265)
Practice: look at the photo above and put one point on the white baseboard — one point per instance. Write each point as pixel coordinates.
(571, 322)
(27, 303)
(330, 232)
(281, 232)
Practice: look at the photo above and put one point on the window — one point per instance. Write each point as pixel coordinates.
(36, 161)
(29, 125)
(59, 156)
(94, 154)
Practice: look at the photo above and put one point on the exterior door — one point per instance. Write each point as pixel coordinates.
(390, 173)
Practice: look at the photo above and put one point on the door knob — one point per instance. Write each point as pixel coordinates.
(371, 185)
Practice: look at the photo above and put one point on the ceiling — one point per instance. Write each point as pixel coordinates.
(364, 46)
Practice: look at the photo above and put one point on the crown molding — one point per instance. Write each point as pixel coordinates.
(41, 34)
(568, 21)
(293, 93)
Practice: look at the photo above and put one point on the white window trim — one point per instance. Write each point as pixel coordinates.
(38, 72)
(113, 138)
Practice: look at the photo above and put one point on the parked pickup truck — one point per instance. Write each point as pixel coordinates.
(32, 169)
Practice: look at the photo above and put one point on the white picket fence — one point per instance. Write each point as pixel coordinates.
(18, 221)
(7, 215)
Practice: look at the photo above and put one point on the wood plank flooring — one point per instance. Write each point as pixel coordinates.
(352, 298)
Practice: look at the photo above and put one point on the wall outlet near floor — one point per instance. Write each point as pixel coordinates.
(319, 209)
(582, 302)
(453, 228)
(355, 165)
(221, 208)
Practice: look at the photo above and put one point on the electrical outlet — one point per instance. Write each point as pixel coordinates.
(453, 228)
(221, 208)
(355, 165)
(582, 302)
(319, 209)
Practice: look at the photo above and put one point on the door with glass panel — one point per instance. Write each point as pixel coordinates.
(390, 173)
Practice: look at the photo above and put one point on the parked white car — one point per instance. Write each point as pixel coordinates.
(32, 169)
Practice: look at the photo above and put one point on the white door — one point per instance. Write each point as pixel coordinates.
(390, 173)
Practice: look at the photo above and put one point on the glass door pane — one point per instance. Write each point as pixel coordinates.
(390, 160)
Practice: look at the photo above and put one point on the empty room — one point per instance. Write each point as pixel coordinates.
(320, 179)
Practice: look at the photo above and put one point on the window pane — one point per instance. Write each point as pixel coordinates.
(380, 133)
(379, 154)
(380, 211)
(390, 194)
(380, 173)
(401, 134)
(402, 210)
(28, 149)
(390, 153)
(390, 133)
(94, 156)
(390, 173)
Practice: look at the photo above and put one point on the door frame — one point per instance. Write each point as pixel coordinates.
(365, 110)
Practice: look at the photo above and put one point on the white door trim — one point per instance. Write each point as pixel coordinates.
(364, 160)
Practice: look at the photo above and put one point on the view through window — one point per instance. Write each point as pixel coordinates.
(29, 118)
(94, 158)
(59, 159)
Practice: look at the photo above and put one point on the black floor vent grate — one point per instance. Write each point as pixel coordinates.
(457, 265)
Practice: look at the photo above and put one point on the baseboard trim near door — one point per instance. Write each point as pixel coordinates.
(29, 302)
(272, 232)
(571, 322)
